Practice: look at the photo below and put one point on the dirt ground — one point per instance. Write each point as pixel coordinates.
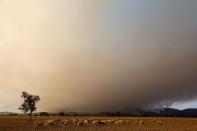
(21, 123)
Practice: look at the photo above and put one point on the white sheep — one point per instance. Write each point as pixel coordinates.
(102, 122)
(110, 121)
(95, 122)
(65, 122)
(152, 121)
(135, 122)
(51, 122)
(74, 121)
(126, 122)
(141, 122)
(119, 122)
(159, 123)
(47, 123)
(80, 123)
(85, 122)
(38, 123)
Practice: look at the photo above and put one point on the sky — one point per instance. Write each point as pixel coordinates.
(101, 55)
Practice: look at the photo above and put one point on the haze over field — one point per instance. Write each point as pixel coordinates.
(101, 55)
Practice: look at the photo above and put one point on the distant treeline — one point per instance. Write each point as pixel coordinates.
(166, 112)
(106, 114)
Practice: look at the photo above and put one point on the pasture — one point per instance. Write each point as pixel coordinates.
(91, 123)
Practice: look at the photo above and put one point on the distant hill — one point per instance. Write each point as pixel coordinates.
(190, 112)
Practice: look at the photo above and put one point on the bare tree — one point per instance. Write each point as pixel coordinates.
(29, 104)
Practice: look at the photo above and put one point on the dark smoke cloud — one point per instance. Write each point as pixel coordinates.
(98, 56)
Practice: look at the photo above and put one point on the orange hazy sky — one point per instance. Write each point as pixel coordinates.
(101, 55)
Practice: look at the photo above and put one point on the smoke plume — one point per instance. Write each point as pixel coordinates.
(98, 55)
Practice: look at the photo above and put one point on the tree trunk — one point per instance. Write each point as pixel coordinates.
(30, 114)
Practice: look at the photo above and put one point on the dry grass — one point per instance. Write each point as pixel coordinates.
(20, 123)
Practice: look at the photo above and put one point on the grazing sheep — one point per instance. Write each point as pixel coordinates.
(56, 122)
(119, 122)
(95, 122)
(45, 124)
(138, 123)
(141, 122)
(50, 122)
(80, 123)
(126, 122)
(74, 121)
(85, 122)
(38, 124)
(110, 121)
(152, 121)
(65, 122)
(135, 122)
(102, 122)
(159, 123)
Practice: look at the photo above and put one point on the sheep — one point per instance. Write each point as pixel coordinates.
(152, 121)
(65, 122)
(126, 122)
(56, 122)
(85, 122)
(102, 122)
(38, 123)
(141, 122)
(110, 121)
(47, 123)
(50, 122)
(44, 124)
(135, 122)
(53, 122)
(119, 122)
(74, 121)
(95, 122)
(159, 123)
(138, 122)
(80, 123)
(35, 123)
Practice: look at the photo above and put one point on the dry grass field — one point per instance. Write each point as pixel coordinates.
(20, 123)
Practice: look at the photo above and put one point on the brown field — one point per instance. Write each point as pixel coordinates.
(21, 123)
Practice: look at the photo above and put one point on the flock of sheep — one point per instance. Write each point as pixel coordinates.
(88, 122)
